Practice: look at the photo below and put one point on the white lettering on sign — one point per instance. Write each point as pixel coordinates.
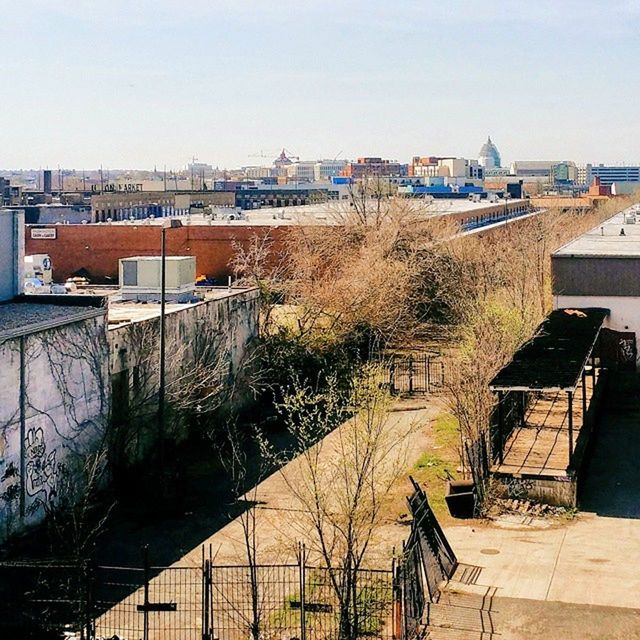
(43, 234)
(113, 187)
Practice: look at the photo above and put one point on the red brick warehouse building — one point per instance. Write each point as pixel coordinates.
(95, 249)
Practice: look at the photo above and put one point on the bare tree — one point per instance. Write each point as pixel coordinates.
(341, 482)
(198, 381)
(78, 516)
(504, 292)
(247, 464)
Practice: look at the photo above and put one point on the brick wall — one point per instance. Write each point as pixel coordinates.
(97, 248)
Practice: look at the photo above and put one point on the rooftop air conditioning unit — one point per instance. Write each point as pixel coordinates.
(38, 266)
(140, 278)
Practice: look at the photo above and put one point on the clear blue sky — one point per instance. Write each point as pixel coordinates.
(133, 83)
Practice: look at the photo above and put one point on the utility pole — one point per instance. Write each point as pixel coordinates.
(161, 388)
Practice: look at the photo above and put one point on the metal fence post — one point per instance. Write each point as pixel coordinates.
(392, 377)
(355, 623)
(570, 409)
(210, 607)
(206, 598)
(88, 613)
(145, 631)
(303, 578)
(500, 428)
(428, 359)
(394, 597)
(410, 373)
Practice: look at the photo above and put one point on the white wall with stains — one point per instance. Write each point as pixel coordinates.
(51, 414)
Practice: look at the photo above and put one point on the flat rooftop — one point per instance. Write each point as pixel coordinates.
(606, 239)
(121, 312)
(23, 318)
(325, 213)
(553, 360)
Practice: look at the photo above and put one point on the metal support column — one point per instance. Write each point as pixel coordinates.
(500, 427)
(570, 402)
(161, 387)
(410, 373)
(584, 398)
(23, 429)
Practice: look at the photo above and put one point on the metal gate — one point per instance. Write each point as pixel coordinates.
(198, 602)
(39, 599)
(414, 373)
(151, 602)
(299, 601)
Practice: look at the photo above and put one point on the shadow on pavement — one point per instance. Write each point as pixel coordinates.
(203, 505)
(612, 481)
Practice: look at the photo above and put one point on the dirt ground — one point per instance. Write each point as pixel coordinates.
(573, 579)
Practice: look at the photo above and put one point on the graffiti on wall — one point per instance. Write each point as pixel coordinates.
(627, 350)
(41, 469)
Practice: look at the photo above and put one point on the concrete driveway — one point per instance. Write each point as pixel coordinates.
(593, 560)
(580, 581)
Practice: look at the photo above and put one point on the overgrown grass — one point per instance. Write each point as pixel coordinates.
(433, 467)
(445, 428)
(323, 611)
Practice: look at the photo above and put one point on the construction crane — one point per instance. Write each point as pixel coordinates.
(291, 156)
(263, 154)
(274, 154)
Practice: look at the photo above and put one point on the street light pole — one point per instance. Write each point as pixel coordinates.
(166, 224)
(161, 389)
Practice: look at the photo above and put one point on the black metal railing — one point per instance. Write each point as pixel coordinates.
(417, 373)
(509, 412)
(300, 601)
(428, 561)
(41, 599)
(198, 602)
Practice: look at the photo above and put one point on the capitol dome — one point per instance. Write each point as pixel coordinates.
(489, 156)
(282, 160)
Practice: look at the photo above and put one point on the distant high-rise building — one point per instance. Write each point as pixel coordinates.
(432, 166)
(369, 167)
(46, 179)
(583, 174)
(489, 156)
(609, 174)
(329, 168)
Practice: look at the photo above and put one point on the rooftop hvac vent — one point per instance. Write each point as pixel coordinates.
(140, 278)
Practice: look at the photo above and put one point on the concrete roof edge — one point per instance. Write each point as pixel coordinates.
(45, 325)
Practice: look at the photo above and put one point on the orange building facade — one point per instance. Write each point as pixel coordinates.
(95, 249)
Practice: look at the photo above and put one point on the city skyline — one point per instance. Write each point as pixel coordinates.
(158, 83)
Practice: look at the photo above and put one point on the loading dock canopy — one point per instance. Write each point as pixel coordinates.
(554, 359)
